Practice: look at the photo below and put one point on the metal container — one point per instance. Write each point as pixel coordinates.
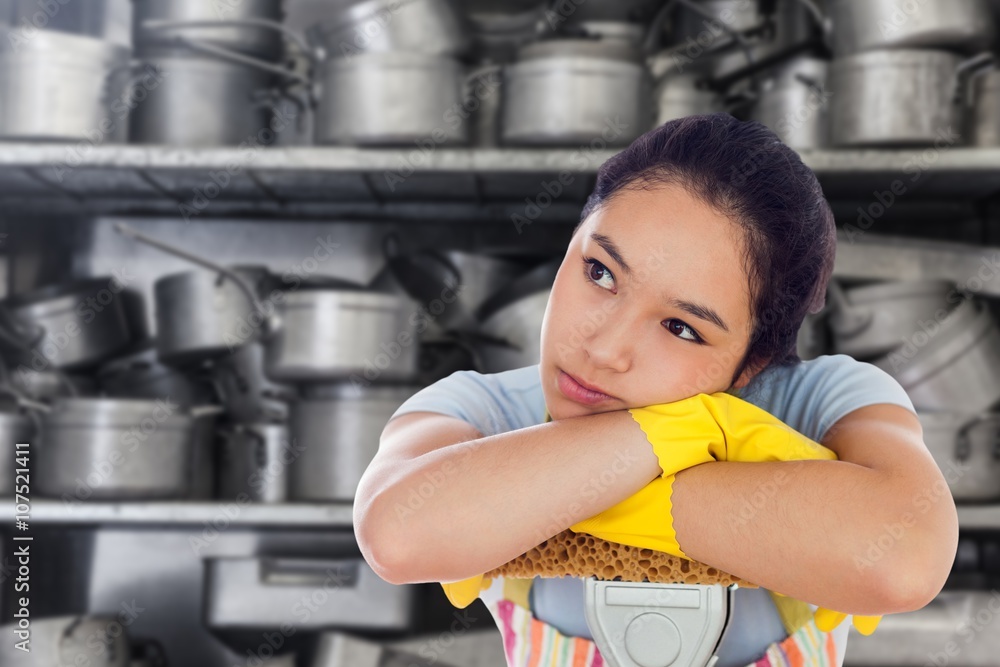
(967, 449)
(871, 320)
(431, 27)
(142, 375)
(793, 103)
(55, 86)
(896, 98)
(867, 25)
(204, 100)
(679, 95)
(329, 335)
(254, 462)
(391, 98)
(956, 368)
(573, 92)
(337, 428)
(984, 126)
(14, 428)
(246, 392)
(105, 448)
(244, 38)
(202, 315)
(70, 326)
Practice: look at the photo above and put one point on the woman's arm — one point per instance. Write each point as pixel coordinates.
(875, 532)
(439, 503)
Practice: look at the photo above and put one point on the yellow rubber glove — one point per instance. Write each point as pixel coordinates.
(701, 429)
(463, 593)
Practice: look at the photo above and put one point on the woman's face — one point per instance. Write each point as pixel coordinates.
(650, 305)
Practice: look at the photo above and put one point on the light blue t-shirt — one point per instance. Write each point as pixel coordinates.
(809, 396)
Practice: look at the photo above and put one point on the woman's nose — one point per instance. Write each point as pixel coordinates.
(610, 344)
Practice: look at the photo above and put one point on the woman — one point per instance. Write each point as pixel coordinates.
(701, 250)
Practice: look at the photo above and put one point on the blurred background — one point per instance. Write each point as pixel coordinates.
(235, 235)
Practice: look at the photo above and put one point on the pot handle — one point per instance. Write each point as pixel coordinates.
(228, 54)
(207, 410)
(823, 22)
(967, 71)
(854, 320)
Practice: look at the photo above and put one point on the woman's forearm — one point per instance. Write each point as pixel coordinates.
(467, 508)
(828, 532)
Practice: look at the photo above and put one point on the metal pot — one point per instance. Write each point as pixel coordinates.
(69, 326)
(141, 375)
(871, 320)
(514, 315)
(106, 448)
(794, 105)
(431, 27)
(202, 315)
(867, 25)
(679, 95)
(246, 392)
(339, 334)
(967, 449)
(572, 92)
(956, 367)
(391, 98)
(97, 641)
(985, 121)
(897, 98)
(254, 462)
(57, 86)
(229, 33)
(337, 430)
(14, 428)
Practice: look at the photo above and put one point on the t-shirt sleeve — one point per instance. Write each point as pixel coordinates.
(813, 395)
(491, 402)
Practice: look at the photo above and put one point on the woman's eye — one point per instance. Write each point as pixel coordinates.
(596, 272)
(677, 327)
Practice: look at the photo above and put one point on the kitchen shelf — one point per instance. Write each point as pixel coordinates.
(321, 180)
(184, 513)
(979, 517)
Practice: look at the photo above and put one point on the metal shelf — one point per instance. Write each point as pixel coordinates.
(979, 517)
(184, 513)
(318, 180)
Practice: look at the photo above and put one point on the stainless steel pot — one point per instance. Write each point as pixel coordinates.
(794, 103)
(897, 98)
(984, 126)
(867, 25)
(967, 449)
(246, 392)
(391, 98)
(514, 315)
(141, 375)
(115, 449)
(254, 462)
(56, 86)
(69, 326)
(431, 27)
(14, 428)
(229, 33)
(337, 429)
(339, 334)
(953, 369)
(679, 95)
(573, 92)
(202, 315)
(871, 320)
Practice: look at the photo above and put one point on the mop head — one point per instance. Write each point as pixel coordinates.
(571, 554)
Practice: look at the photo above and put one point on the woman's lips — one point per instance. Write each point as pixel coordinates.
(574, 391)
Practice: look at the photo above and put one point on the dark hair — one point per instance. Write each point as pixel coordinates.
(743, 170)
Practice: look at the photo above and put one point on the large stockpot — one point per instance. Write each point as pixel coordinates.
(255, 461)
(348, 332)
(870, 320)
(953, 367)
(793, 103)
(14, 428)
(897, 98)
(867, 25)
(571, 92)
(229, 33)
(431, 27)
(106, 448)
(67, 326)
(202, 314)
(391, 98)
(336, 431)
(62, 87)
(967, 449)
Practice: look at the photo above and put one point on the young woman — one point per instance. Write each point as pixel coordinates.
(702, 248)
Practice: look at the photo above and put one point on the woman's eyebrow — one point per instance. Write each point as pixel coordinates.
(697, 310)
